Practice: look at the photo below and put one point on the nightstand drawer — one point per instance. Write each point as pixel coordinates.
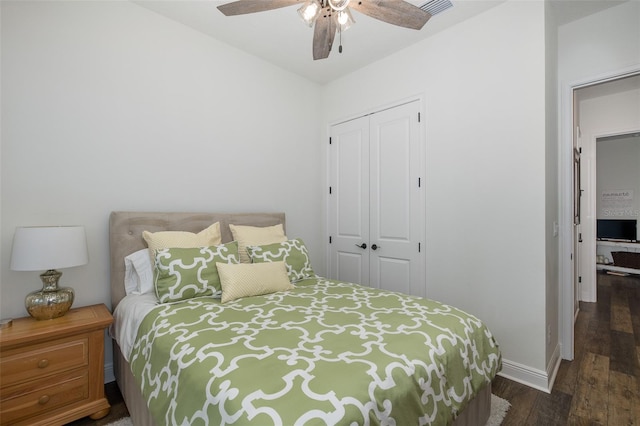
(52, 372)
(44, 359)
(30, 399)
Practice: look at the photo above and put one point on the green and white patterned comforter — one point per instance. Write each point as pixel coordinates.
(326, 352)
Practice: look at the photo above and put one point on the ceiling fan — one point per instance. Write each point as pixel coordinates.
(331, 16)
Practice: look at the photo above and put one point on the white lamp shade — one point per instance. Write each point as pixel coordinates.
(40, 248)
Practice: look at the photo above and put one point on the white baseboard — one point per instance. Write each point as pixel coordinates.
(109, 375)
(553, 366)
(534, 378)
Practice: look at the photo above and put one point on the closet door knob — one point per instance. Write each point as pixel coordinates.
(374, 247)
(362, 246)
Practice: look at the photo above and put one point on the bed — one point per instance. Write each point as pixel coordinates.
(266, 360)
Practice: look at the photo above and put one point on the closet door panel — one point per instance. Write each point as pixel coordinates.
(376, 205)
(390, 198)
(349, 206)
(349, 267)
(395, 274)
(394, 159)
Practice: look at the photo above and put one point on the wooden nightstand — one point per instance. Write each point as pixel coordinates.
(52, 371)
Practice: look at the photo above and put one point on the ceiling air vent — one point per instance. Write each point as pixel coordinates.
(436, 6)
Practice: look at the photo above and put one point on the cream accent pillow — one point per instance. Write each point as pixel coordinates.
(253, 279)
(255, 236)
(178, 239)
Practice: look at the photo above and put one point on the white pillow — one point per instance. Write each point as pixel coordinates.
(138, 273)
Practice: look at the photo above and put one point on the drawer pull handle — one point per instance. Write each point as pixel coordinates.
(43, 399)
(43, 363)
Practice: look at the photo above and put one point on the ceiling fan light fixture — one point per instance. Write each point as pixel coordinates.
(331, 17)
(345, 19)
(310, 11)
(338, 5)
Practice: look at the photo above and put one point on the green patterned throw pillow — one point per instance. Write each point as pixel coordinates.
(184, 273)
(292, 252)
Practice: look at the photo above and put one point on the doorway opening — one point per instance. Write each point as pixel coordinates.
(607, 186)
(586, 120)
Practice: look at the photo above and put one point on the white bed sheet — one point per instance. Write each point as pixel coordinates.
(127, 318)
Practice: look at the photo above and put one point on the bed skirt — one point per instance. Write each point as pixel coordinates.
(476, 414)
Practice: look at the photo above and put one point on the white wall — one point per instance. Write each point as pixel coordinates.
(618, 168)
(552, 217)
(107, 106)
(483, 82)
(599, 44)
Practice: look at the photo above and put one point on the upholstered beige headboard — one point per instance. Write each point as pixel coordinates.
(125, 234)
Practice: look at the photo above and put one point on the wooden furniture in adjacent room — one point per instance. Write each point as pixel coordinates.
(630, 249)
(52, 371)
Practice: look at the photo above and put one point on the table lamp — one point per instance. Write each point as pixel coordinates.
(49, 248)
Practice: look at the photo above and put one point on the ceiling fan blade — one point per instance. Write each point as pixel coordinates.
(396, 12)
(241, 7)
(323, 34)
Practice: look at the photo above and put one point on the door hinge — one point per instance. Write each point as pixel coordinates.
(419, 247)
(580, 237)
(329, 190)
(419, 182)
(579, 279)
(418, 117)
(329, 140)
(329, 239)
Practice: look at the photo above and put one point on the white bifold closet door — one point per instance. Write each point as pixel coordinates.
(376, 201)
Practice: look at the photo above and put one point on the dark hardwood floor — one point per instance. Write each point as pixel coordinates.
(601, 386)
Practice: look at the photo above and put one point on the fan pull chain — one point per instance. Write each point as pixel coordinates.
(340, 35)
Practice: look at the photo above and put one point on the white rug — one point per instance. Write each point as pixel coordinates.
(125, 421)
(499, 408)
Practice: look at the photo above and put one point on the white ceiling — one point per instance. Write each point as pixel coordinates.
(280, 37)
